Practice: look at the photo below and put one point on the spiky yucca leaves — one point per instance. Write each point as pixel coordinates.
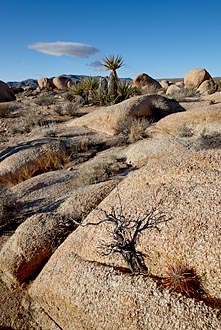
(77, 89)
(113, 63)
(101, 98)
(125, 90)
(90, 84)
(179, 278)
(86, 89)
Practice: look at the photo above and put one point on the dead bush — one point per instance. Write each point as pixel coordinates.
(125, 232)
(8, 205)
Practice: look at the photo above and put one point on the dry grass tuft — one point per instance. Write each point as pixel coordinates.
(51, 160)
(132, 129)
(138, 130)
(181, 279)
(8, 205)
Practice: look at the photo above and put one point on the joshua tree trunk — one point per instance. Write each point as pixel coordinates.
(112, 84)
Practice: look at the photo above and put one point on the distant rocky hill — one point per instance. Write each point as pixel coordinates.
(34, 82)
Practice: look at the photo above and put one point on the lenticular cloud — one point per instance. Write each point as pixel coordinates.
(60, 48)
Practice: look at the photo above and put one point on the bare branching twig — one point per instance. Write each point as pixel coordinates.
(125, 233)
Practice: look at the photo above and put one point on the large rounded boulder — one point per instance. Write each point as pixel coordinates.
(146, 83)
(109, 119)
(61, 82)
(196, 77)
(6, 93)
(44, 83)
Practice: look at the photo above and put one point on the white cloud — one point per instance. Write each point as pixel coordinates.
(97, 65)
(60, 48)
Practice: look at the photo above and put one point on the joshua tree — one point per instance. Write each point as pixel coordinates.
(113, 63)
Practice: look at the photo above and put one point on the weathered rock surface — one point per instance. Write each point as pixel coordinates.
(60, 82)
(165, 83)
(172, 89)
(44, 82)
(36, 239)
(14, 158)
(107, 119)
(207, 87)
(65, 282)
(196, 77)
(173, 185)
(78, 294)
(30, 247)
(146, 83)
(6, 94)
(85, 199)
(206, 119)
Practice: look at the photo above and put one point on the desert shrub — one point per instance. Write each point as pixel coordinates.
(26, 124)
(5, 111)
(84, 144)
(71, 108)
(8, 110)
(90, 85)
(185, 131)
(138, 130)
(124, 91)
(101, 171)
(50, 160)
(8, 205)
(69, 96)
(209, 140)
(183, 93)
(45, 100)
(218, 84)
(132, 129)
(58, 110)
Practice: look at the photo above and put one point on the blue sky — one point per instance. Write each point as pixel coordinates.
(164, 38)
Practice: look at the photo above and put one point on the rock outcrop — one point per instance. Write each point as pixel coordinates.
(60, 82)
(45, 83)
(207, 119)
(79, 294)
(63, 264)
(107, 119)
(196, 77)
(165, 83)
(173, 89)
(6, 93)
(146, 83)
(207, 87)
